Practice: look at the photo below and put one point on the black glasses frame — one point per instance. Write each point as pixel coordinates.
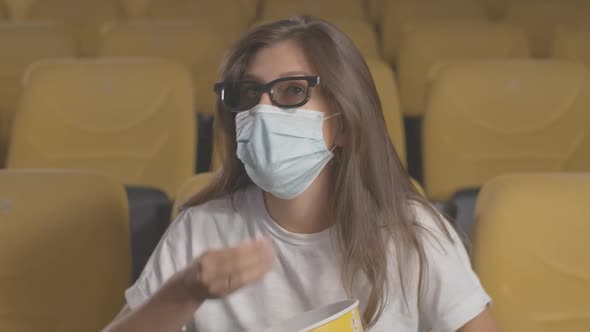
(312, 81)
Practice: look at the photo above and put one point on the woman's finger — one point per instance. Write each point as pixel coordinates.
(226, 270)
(256, 261)
(258, 252)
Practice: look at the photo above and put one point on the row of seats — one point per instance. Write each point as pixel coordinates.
(189, 9)
(488, 118)
(181, 41)
(66, 257)
(83, 19)
(130, 118)
(371, 10)
(26, 43)
(430, 46)
(239, 13)
(504, 40)
(378, 10)
(538, 18)
(426, 51)
(424, 22)
(134, 118)
(362, 33)
(65, 10)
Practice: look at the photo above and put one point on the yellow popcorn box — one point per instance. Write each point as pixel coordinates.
(336, 317)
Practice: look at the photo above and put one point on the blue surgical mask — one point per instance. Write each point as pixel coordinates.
(283, 151)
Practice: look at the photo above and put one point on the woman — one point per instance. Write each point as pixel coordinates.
(311, 206)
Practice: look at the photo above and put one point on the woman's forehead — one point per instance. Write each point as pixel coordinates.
(279, 60)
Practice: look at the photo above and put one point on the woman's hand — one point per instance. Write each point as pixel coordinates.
(214, 274)
(218, 273)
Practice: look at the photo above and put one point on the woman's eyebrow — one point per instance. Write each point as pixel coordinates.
(294, 73)
(253, 77)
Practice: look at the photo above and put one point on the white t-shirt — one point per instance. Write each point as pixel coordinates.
(307, 273)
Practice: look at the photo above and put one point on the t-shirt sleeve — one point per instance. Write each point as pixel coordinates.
(452, 294)
(170, 256)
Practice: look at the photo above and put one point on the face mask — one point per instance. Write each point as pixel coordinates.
(283, 151)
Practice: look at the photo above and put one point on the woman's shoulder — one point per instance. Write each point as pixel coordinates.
(219, 205)
(224, 209)
(433, 227)
(223, 204)
(426, 215)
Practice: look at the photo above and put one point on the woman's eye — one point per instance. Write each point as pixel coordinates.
(250, 92)
(294, 90)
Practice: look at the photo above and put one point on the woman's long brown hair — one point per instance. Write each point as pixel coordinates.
(372, 195)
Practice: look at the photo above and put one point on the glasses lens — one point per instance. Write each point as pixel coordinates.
(249, 95)
(241, 95)
(290, 93)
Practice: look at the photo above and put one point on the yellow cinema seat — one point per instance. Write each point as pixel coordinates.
(488, 118)
(226, 17)
(81, 17)
(539, 18)
(401, 16)
(64, 250)
(136, 9)
(4, 13)
(326, 9)
(131, 118)
(360, 32)
(178, 41)
(428, 47)
(572, 42)
(496, 9)
(531, 250)
(22, 44)
(15, 9)
(375, 8)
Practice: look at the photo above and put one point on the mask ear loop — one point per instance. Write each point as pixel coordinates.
(331, 116)
(341, 128)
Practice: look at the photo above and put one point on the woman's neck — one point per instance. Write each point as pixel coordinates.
(307, 213)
